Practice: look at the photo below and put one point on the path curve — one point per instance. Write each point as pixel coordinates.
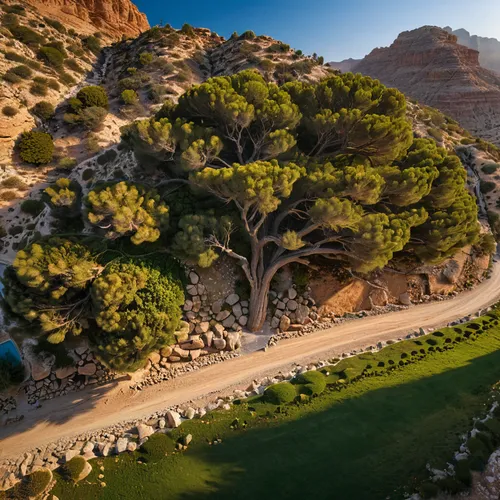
(99, 407)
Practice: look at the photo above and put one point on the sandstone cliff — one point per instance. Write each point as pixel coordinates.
(429, 65)
(489, 48)
(111, 17)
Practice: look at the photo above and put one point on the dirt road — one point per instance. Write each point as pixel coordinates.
(100, 407)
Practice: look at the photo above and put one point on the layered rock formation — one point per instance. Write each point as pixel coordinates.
(428, 64)
(489, 48)
(346, 65)
(111, 17)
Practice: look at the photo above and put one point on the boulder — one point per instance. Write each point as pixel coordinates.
(194, 343)
(87, 469)
(192, 290)
(187, 439)
(155, 358)
(232, 299)
(237, 311)
(218, 330)
(162, 423)
(89, 447)
(203, 327)
(131, 446)
(71, 454)
(67, 371)
(233, 341)
(166, 351)
(194, 354)
(217, 306)
(207, 338)
(292, 293)
(243, 320)
(121, 445)
(194, 278)
(190, 413)
(302, 314)
(404, 299)
(105, 449)
(41, 365)
(88, 369)
(144, 431)
(222, 315)
(178, 351)
(284, 323)
(229, 321)
(292, 305)
(173, 418)
(451, 271)
(219, 344)
(188, 305)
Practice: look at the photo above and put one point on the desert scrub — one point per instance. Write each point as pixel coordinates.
(44, 110)
(51, 57)
(73, 65)
(39, 89)
(67, 163)
(36, 147)
(6, 195)
(32, 207)
(93, 95)
(14, 182)
(93, 117)
(9, 111)
(129, 96)
(93, 44)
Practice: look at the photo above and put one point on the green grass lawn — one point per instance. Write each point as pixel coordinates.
(368, 441)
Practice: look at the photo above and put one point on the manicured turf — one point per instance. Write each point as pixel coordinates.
(367, 441)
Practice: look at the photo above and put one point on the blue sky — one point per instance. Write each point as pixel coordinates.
(332, 28)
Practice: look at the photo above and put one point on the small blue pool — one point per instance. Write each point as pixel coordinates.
(9, 351)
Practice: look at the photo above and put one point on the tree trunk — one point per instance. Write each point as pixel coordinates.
(258, 306)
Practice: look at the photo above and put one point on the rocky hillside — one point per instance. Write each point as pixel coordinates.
(113, 18)
(346, 65)
(488, 48)
(428, 64)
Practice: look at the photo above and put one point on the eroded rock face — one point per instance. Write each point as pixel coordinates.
(429, 65)
(111, 17)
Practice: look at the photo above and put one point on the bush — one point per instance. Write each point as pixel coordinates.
(11, 77)
(248, 35)
(39, 89)
(490, 168)
(281, 393)
(7, 195)
(9, 111)
(14, 182)
(51, 56)
(44, 110)
(311, 383)
(73, 65)
(67, 163)
(188, 30)
(58, 26)
(487, 186)
(463, 473)
(66, 79)
(72, 469)
(156, 447)
(32, 486)
(146, 58)
(129, 96)
(36, 147)
(93, 117)
(27, 36)
(32, 207)
(22, 71)
(93, 96)
(10, 19)
(278, 47)
(93, 44)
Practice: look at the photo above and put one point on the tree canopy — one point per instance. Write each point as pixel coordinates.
(326, 169)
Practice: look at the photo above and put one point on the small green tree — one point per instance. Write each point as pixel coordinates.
(129, 97)
(93, 95)
(188, 30)
(44, 110)
(51, 56)
(36, 147)
(93, 117)
(64, 197)
(145, 58)
(124, 209)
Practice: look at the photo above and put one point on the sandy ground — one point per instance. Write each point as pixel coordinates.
(103, 406)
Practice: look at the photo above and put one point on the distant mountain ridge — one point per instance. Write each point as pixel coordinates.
(489, 48)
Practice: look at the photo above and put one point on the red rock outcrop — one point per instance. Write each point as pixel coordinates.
(111, 17)
(429, 65)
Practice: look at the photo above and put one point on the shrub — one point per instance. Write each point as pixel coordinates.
(248, 35)
(156, 447)
(188, 30)
(129, 96)
(463, 473)
(53, 84)
(72, 469)
(93, 117)
(10, 19)
(9, 111)
(156, 93)
(450, 485)
(11, 77)
(44, 110)
(73, 65)
(281, 393)
(58, 26)
(428, 490)
(51, 56)
(146, 58)
(66, 79)
(487, 186)
(490, 168)
(93, 95)
(278, 47)
(93, 44)
(32, 486)
(36, 147)
(131, 82)
(14, 182)
(312, 383)
(32, 207)
(87, 174)
(7, 195)
(132, 71)
(67, 163)
(27, 36)
(22, 71)
(39, 89)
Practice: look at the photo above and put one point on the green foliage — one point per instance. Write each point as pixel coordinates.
(310, 383)
(32, 207)
(487, 186)
(39, 89)
(51, 56)
(27, 36)
(93, 95)
(44, 110)
(93, 44)
(281, 393)
(73, 65)
(138, 309)
(9, 111)
(93, 117)
(64, 197)
(248, 35)
(67, 163)
(31, 486)
(36, 147)
(145, 58)
(188, 30)
(156, 447)
(55, 24)
(22, 71)
(72, 469)
(125, 209)
(129, 96)
(278, 47)
(490, 168)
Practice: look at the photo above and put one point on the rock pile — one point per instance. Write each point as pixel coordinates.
(7, 403)
(292, 311)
